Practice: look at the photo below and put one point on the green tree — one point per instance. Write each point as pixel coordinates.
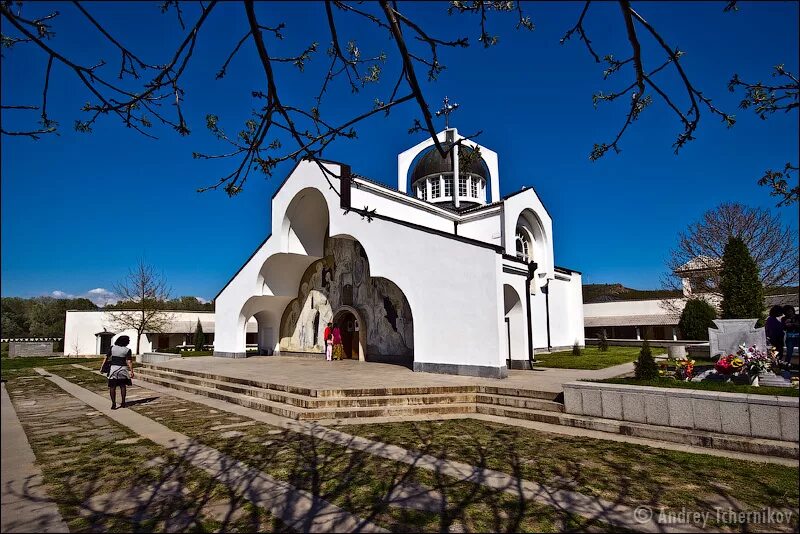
(742, 292)
(576, 349)
(646, 366)
(199, 337)
(15, 322)
(697, 317)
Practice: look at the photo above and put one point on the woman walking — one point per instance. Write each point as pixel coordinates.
(121, 370)
(338, 348)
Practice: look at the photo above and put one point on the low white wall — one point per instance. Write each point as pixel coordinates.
(758, 416)
(156, 357)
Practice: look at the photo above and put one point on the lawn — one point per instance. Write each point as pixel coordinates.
(620, 472)
(592, 358)
(707, 385)
(10, 364)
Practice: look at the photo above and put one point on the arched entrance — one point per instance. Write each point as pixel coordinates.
(353, 331)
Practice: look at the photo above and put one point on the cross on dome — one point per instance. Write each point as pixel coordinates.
(447, 109)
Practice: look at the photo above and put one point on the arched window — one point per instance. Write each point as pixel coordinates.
(523, 245)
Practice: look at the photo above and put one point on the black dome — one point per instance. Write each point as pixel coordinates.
(433, 163)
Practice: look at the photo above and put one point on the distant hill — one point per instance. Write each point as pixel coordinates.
(593, 293)
(613, 292)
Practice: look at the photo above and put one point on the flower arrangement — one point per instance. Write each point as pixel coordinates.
(683, 369)
(747, 361)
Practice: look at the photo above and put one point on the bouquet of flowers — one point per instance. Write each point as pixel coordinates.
(747, 361)
(756, 361)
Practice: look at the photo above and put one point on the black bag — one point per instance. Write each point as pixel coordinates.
(106, 367)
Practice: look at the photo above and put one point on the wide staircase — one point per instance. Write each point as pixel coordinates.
(335, 404)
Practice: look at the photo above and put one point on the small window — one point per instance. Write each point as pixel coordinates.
(448, 187)
(523, 246)
(474, 188)
(435, 188)
(423, 192)
(462, 186)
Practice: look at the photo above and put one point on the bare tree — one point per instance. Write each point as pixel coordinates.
(143, 94)
(783, 94)
(143, 294)
(772, 245)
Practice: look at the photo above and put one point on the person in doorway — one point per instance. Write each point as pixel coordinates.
(327, 335)
(338, 348)
(791, 327)
(121, 370)
(774, 330)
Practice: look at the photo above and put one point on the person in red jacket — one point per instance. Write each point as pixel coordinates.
(327, 335)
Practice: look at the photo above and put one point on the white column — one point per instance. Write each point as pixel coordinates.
(638, 334)
(674, 334)
(456, 179)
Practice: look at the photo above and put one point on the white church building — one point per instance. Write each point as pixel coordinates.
(445, 276)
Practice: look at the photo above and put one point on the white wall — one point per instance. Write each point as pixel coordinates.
(634, 307)
(485, 227)
(451, 286)
(566, 311)
(81, 326)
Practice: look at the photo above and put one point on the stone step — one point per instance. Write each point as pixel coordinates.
(294, 412)
(517, 392)
(541, 416)
(528, 403)
(312, 392)
(303, 401)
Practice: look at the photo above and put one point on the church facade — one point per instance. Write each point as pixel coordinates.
(440, 274)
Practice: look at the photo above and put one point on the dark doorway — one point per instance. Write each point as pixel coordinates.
(348, 326)
(105, 341)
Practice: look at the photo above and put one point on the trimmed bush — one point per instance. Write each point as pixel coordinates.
(199, 337)
(602, 343)
(740, 285)
(646, 366)
(697, 317)
(576, 349)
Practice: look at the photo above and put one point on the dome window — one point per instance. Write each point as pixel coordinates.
(474, 188)
(448, 186)
(435, 188)
(462, 186)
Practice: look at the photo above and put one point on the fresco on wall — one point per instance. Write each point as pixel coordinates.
(339, 279)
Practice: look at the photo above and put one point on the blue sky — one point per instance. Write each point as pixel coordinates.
(78, 209)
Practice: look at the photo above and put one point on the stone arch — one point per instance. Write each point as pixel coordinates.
(360, 327)
(530, 225)
(515, 325)
(341, 280)
(305, 223)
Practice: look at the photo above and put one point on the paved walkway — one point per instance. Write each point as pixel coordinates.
(25, 504)
(351, 374)
(298, 509)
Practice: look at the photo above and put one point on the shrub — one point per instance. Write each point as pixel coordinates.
(602, 343)
(171, 350)
(740, 285)
(199, 337)
(697, 317)
(576, 349)
(646, 366)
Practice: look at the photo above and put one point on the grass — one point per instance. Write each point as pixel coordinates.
(81, 458)
(8, 364)
(592, 358)
(353, 480)
(707, 385)
(618, 471)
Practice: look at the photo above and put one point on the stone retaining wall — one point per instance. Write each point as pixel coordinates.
(156, 357)
(758, 416)
(24, 349)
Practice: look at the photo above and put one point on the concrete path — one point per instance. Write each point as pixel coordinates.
(298, 509)
(25, 505)
(569, 501)
(352, 374)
